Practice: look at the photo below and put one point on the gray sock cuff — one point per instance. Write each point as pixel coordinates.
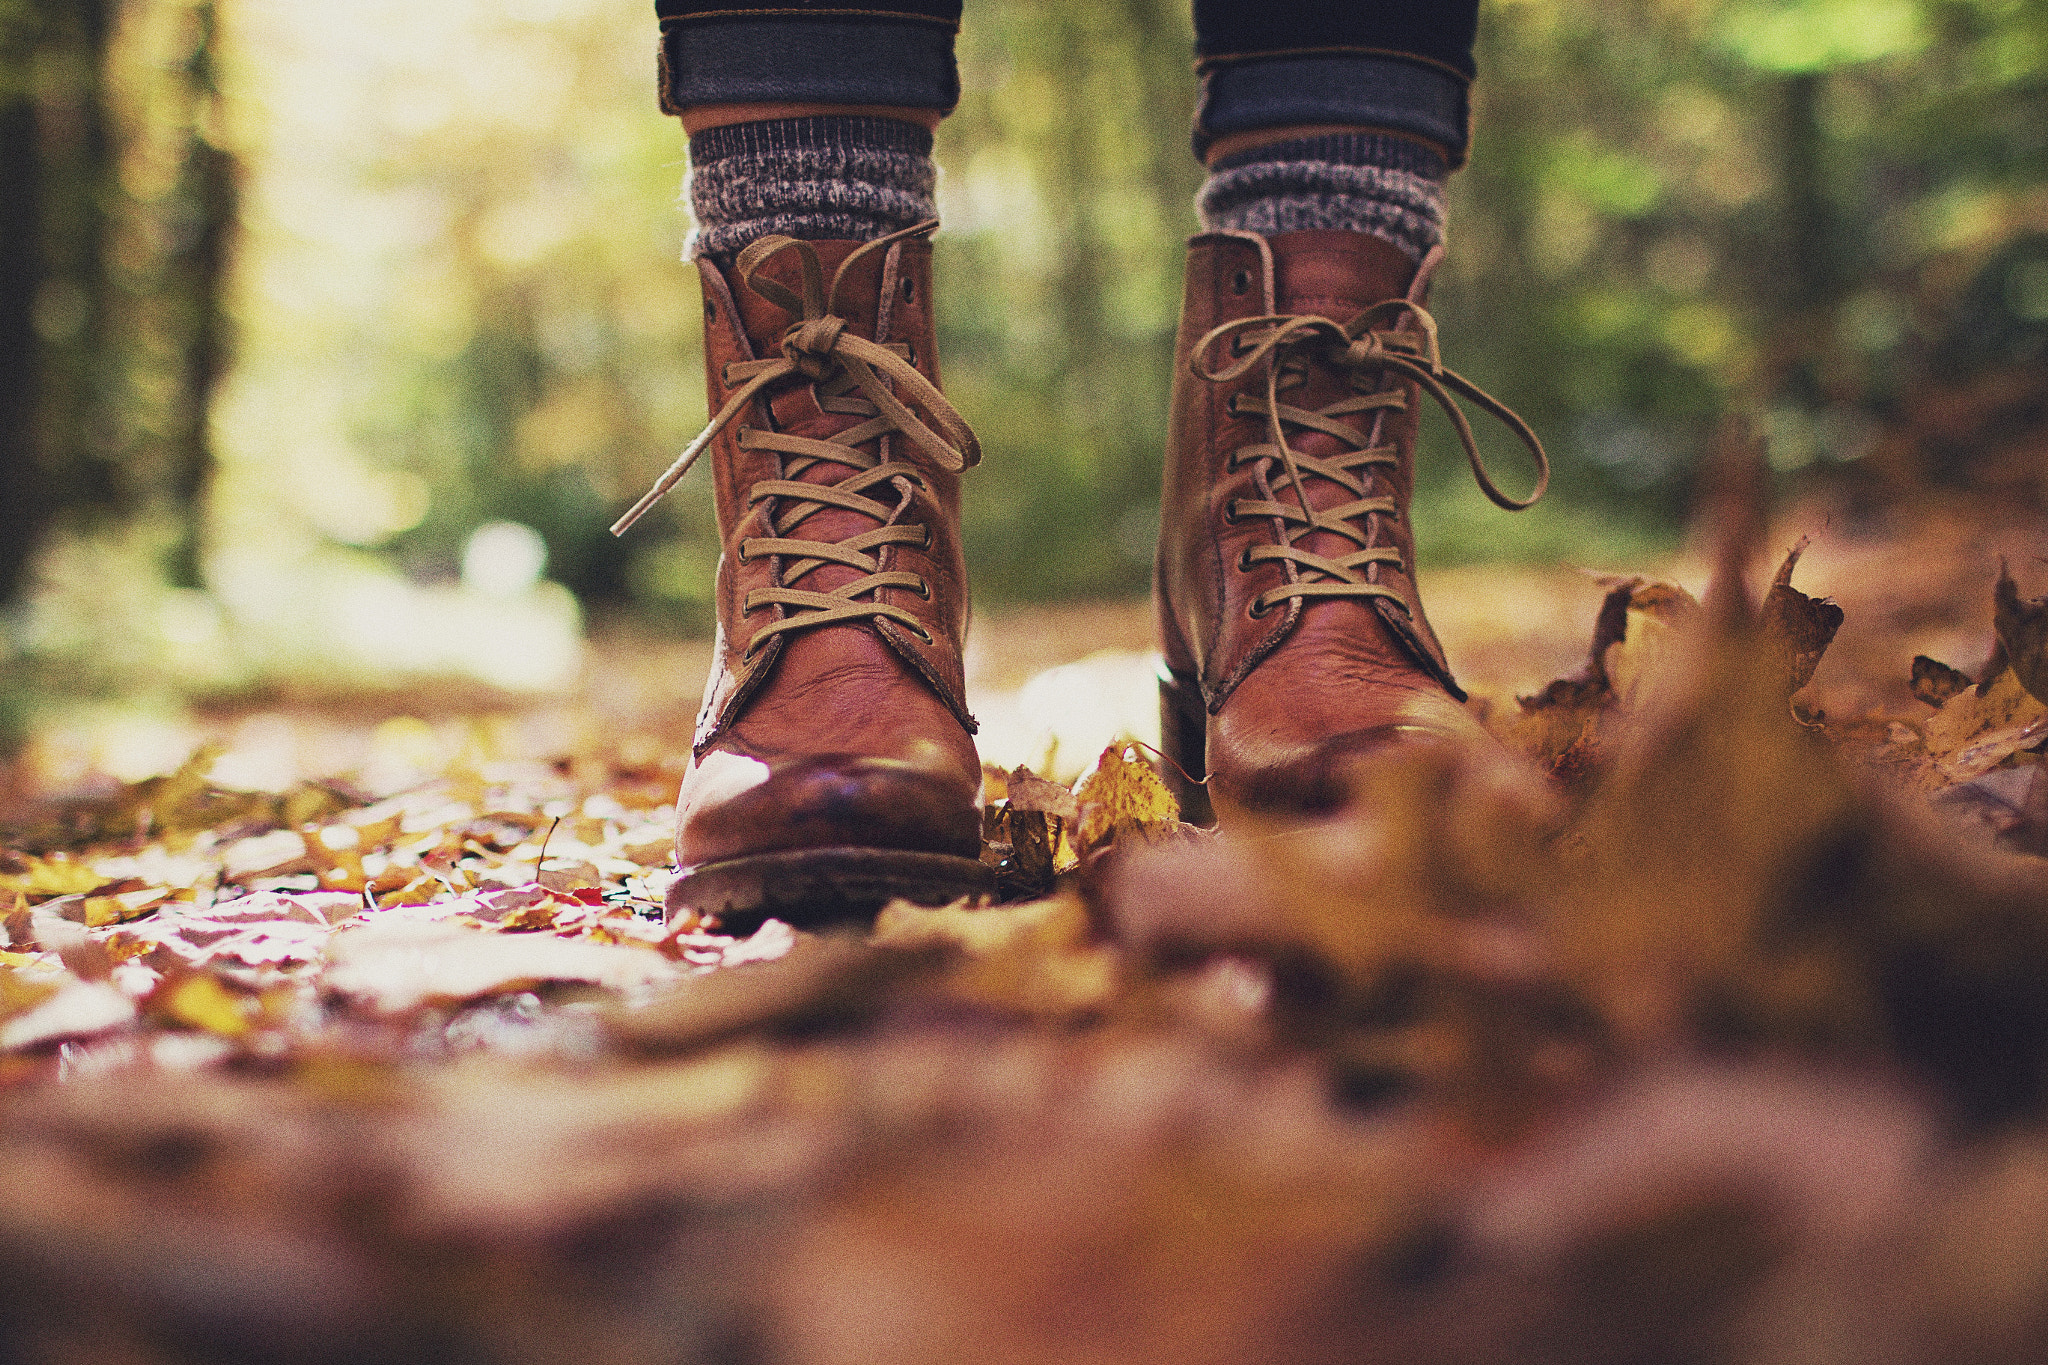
(1352, 182)
(816, 178)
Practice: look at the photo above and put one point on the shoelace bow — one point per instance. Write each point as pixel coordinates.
(855, 377)
(1285, 344)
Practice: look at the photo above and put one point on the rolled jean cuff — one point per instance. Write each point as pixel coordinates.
(904, 61)
(1285, 90)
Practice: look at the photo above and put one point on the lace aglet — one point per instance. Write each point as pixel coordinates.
(662, 485)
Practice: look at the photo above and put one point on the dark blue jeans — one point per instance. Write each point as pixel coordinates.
(1397, 64)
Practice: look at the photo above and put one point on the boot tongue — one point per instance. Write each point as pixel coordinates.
(1336, 275)
(766, 321)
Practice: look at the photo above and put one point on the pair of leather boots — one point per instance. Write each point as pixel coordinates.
(833, 765)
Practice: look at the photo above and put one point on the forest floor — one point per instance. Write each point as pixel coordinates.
(1705, 1018)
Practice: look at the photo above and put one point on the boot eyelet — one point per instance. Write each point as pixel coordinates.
(921, 633)
(1244, 560)
(725, 375)
(710, 311)
(1230, 516)
(910, 356)
(924, 590)
(1241, 282)
(1254, 610)
(926, 543)
(909, 289)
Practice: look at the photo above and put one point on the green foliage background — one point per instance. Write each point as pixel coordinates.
(456, 295)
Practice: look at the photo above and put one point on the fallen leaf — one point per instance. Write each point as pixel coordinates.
(308, 907)
(1026, 790)
(53, 876)
(1562, 727)
(1122, 796)
(1800, 627)
(274, 854)
(494, 906)
(1978, 729)
(393, 967)
(25, 984)
(2022, 629)
(79, 1009)
(1657, 612)
(258, 945)
(1935, 682)
(199, 1001)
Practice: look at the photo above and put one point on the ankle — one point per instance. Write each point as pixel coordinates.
(703, 117)
(1328, 177)
(840, 175)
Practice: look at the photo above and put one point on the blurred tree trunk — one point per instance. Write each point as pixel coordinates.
(59, 169)
(208, 200)
(112, 336)
(21, 494)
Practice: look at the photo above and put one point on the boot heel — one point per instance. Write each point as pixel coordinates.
(1183, 738)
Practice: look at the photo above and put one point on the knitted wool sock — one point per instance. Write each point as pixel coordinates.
(1391, 187)
(818, 178)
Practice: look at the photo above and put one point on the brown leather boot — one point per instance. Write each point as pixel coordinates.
(1293, 636)
(833, 767)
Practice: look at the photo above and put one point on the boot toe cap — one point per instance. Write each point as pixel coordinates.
(734, 805)
(1273, 764)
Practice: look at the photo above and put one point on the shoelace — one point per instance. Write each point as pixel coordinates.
(1286, 344)
(854, 377)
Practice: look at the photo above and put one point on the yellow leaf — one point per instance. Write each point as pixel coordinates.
(20, 991)
(1980, 727)
(1657, 615)
(100, 911)
(57, 876)
(203, 1003)
(1122, 795)
(421, 890)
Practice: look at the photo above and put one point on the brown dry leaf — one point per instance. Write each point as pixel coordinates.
(1026, 790)
(1122, 796)
(2022, 629)
(1801, 627)
(1935, 682)
(1693, 838)
(1023, 847)
(1562, 726)
(1041, 958)
(1657, 615)
(1398, 936)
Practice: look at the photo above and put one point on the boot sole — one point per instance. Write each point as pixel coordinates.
(813, 887)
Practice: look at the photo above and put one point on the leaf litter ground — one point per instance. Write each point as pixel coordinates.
(1705, 1018)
